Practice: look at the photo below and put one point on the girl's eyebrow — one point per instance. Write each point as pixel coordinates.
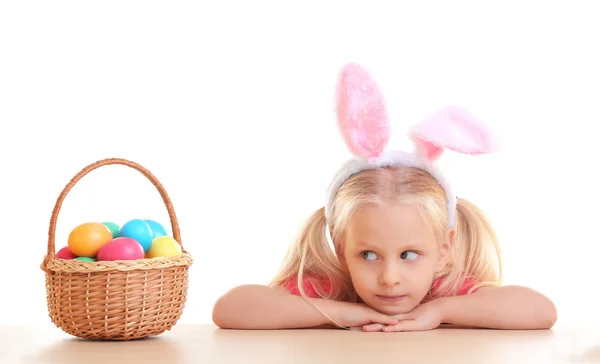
(413, 245)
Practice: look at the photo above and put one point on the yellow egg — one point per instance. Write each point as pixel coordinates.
(163, 246)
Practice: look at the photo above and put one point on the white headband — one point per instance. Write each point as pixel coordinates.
(389, 159)
(364, 125)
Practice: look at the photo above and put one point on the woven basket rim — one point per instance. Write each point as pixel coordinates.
(56, 265)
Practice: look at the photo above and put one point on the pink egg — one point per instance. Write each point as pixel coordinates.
(121, 248)
(65, 253)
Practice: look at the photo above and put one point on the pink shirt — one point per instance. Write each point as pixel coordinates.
(310, 291)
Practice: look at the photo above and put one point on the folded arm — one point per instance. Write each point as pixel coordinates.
(507, 307)
(261, 307)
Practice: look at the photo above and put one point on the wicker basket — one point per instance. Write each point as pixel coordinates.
(116, 300)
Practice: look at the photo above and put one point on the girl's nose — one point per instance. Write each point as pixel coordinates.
(390, 276)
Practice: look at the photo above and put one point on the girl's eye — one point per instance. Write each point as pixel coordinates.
(409, 254)
(368, 255)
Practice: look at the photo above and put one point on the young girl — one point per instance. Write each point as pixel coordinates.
(407, 254)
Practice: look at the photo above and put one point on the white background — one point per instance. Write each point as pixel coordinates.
(230, 104)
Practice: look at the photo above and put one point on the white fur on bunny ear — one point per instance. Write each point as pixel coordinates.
(452, 128)
(361, 112)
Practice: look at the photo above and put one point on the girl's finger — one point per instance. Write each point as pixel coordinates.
(405, 325)
(384, 319)
(373, 327)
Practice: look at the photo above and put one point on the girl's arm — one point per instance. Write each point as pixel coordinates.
(507, 307)
(260, 307)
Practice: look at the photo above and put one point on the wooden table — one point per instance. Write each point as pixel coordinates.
(208, 344)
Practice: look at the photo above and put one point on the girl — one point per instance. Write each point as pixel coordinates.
(407, 254)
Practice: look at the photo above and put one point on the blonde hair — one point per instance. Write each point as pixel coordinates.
(475, 252)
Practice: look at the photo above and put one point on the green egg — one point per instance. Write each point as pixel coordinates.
(114, 228)
(85, 259)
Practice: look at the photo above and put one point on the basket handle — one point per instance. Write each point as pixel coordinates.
(100, 163)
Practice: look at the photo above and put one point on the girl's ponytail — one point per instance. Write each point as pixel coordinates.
(476, 255)
(311, 262)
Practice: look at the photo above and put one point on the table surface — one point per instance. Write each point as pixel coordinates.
(208, 344)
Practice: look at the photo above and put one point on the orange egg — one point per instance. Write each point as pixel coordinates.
(86, 239)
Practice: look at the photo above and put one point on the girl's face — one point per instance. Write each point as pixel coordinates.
(392, 255)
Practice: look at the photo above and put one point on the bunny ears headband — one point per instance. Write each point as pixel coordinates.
(365, 127)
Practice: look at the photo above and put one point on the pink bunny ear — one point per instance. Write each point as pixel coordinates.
(361, 112)
(452, 128)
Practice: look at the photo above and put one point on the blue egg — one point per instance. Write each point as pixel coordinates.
(157, 229)
(139, 230)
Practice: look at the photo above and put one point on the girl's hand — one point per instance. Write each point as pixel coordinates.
(427, 316)
(356, 314)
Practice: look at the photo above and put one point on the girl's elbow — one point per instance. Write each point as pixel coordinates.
(228, 311)
(550, 315)
(541, 310)
(546, 314)
(223, 312)
(219, 315)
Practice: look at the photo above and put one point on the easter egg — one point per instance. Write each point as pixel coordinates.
(121, 248)
(139, 230)
(86, 239)
(65, 253)
(157, 229)
(114, 228)
(85, 259)
(164, 246)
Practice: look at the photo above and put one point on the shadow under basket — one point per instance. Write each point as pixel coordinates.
(116, 300)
